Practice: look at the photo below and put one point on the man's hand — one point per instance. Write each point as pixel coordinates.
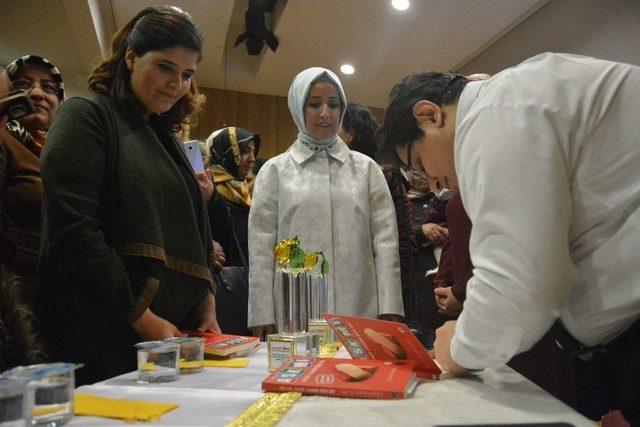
(206, 184)
(447, 302)
(151, 327)
(442, 348)
(209, 321)
(435, 234)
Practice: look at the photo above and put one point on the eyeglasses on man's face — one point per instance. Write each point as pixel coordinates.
(47, 86)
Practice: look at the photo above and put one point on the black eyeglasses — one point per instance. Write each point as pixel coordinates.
(47, 86)
(407, 166)
(416, 178)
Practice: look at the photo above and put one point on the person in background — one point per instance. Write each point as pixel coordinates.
(335, 200)
(231, 153)
(547, 170)
(19, 344)
(21, 143)
(359, 130)
(430, 235)
(126, 246)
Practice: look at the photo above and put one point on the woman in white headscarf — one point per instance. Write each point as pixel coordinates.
(335, 200)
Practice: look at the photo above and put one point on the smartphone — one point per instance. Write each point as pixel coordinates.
(16, 105)
(192, 150)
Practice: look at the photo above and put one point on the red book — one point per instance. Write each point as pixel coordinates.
(357, 378)
(380, 339)
(224, 344)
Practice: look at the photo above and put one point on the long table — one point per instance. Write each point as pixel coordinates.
(218, 395)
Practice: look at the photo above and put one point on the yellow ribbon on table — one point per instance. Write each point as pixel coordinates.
(268, 410)
(128, 410)
(241, 362)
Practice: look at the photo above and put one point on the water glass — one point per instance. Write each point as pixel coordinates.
(158, 361)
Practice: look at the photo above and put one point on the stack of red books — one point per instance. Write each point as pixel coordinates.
(387, 360)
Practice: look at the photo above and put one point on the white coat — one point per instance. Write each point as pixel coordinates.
(335, 200)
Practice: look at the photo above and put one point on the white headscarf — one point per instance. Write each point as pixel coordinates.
(298, 95)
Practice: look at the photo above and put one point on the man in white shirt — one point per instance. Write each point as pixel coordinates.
(547, 159)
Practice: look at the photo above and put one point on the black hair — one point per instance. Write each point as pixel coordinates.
(359, 121)
(400, 127)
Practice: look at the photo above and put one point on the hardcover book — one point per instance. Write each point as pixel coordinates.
(224, 345)
(380, 339)
(355, 378)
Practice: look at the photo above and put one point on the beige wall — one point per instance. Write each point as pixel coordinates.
(266, 115)
(607, 29)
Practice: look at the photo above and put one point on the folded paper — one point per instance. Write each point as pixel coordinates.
(242, 362)
(129, 410)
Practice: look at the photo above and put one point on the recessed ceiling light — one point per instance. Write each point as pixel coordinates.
(400, 4)
(347, 69)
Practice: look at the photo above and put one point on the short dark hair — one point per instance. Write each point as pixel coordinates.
(400, 127)
(153, 28)
(359, 121)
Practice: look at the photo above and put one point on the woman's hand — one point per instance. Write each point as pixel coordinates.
(442, 348)
(391, 317)
(209, 321)
(218, 257)
(262, 331)
(435, 234)
(151, 327)
(447, 302)
(206, 184)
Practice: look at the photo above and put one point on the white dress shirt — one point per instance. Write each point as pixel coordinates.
(548, 159)
(335, 200)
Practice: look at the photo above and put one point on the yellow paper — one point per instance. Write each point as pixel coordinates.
(149, 366)
(46, 410)
(194, 364)
(131, 410)
(241, 362)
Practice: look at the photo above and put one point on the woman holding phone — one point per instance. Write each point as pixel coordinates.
(126, 246)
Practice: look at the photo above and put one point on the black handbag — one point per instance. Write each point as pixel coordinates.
(232, 296)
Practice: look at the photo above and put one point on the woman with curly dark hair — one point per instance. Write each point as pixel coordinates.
(359, 130)
(126, 246)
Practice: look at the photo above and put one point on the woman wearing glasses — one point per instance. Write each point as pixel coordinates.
(335, 200)
(126, 246)
(21, 143)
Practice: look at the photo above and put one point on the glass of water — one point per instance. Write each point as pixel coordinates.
(191, 353)
(13, 403)
(50, 389)
(158, 361)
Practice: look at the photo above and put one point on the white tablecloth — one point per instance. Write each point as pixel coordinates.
(217, 395)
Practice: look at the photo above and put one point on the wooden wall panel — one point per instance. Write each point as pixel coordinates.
(266, 115)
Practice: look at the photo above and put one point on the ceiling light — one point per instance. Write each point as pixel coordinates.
(347, 69)
(400, 4)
